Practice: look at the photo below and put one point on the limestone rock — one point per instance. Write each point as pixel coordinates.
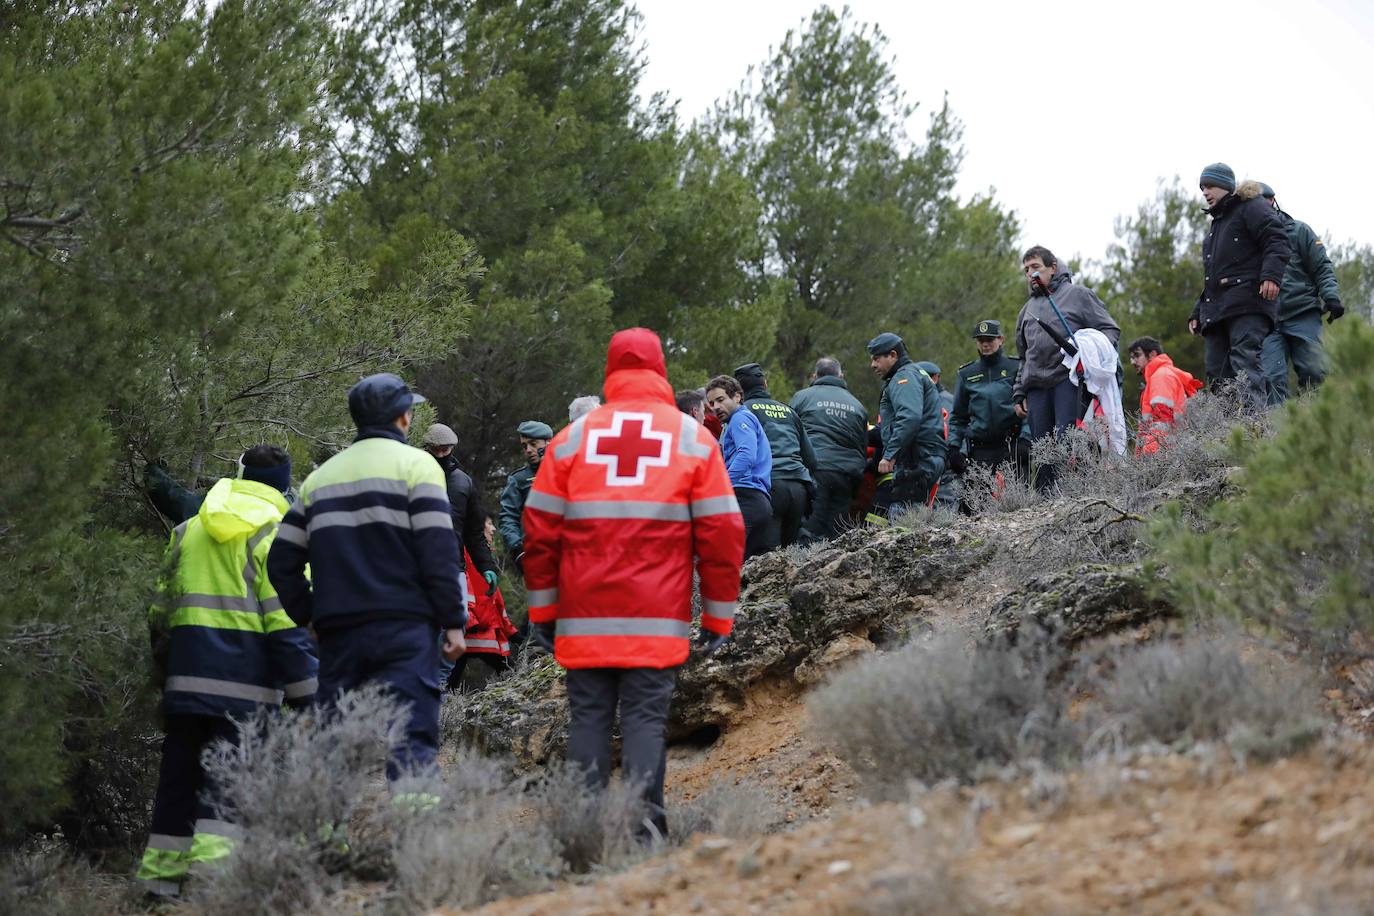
(1079, 604)
(801, 608)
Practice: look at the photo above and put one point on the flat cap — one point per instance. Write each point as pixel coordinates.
(439, 434)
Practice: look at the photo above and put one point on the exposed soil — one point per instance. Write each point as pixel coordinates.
(768, 744)
(1164, 835)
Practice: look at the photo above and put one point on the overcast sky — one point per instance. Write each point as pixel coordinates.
(1074, 109)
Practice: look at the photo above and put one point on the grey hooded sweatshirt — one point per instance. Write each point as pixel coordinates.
(1042, 362)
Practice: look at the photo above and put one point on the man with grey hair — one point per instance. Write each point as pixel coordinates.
(582, 406)
(837, 425)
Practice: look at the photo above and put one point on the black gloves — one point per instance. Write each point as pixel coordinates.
(709, 642)
(543, 636)
(1334, 310)
(956, 460)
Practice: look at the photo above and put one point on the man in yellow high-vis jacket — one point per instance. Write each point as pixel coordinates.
(229, 649)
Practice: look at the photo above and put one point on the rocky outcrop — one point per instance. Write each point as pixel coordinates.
(1078, 604)
(804, 609)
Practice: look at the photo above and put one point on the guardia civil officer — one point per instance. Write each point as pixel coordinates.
(983, 425)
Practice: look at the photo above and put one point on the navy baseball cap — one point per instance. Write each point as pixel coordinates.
(381, 398)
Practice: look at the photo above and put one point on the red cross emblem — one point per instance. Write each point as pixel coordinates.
(628, 448)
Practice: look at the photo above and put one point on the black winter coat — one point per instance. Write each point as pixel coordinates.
(466, 507)
(1248, 244)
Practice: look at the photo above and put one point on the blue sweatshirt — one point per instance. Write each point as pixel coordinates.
(748, 457)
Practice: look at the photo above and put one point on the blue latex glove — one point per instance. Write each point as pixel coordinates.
(491, 577)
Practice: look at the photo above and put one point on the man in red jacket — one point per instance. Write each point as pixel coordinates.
(626, 499)
(1161, 400)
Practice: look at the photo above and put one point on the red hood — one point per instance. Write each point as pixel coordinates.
(635, 369)
(635, 348)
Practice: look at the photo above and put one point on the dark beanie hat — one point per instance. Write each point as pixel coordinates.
(278, 476)
(1218, 174)
(1266, 191)
(750, 376)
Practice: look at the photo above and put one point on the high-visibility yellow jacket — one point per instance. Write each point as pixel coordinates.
(231, 646)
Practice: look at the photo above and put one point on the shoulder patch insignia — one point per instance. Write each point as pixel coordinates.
(903, 381)
(1004, 373)
(1318, 242)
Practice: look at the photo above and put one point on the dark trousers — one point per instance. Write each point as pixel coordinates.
(1298, 340)
(398, 655)
(186, 797)
(1052, 410)
(1015, 450)
(499, 664)
(642, 696)
(830, 515)
(993, 456)
(757, 509)
(789, 508)
(1233, 349)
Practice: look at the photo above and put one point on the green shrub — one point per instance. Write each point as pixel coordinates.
(76, 704)
(1296, 549)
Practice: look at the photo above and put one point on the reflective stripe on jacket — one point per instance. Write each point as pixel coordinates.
(625, 498)
(489, 629)
(1161, 400)
(231, 645)
(373, 523)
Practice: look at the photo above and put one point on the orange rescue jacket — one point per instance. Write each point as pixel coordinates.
(489, 629)
(1161, 400)
(626, 499)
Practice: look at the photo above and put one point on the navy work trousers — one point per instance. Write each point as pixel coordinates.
(399, 655)
(187, 799)
(642, 696)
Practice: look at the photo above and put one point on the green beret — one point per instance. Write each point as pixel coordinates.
(533, 429)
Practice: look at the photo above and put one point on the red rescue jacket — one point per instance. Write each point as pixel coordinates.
(1161, 400)
(489, 629)
(625, 500)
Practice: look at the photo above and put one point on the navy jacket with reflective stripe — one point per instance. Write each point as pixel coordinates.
(231, 648)
(374, 524)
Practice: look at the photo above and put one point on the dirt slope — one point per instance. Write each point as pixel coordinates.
(1163, 835)
(767, 744)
